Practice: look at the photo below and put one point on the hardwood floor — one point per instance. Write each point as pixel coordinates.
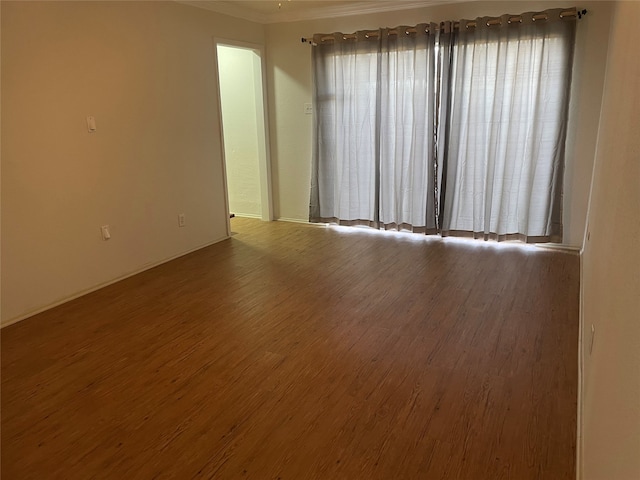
(302, 352)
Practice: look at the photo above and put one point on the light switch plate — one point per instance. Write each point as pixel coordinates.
(91, 123)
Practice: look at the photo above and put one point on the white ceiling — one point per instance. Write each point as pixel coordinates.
(275, 11)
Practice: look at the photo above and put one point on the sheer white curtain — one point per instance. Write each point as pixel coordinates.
(407, 130)
(373, 161)
(434, 129)
(507, 126)
(345, 173)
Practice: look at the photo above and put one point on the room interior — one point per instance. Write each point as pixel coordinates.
(146, 71)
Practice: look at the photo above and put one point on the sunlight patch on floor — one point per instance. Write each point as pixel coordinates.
(421, 238)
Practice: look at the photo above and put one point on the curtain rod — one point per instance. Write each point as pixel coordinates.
(456, 25)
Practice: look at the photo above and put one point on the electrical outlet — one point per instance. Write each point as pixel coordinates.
(308, 109)
(593, 336)
(181, 220)
(106, 234)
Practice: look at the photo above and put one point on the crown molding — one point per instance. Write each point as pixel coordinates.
(227, 8)
(353, 8)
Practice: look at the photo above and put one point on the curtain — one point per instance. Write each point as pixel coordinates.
(373, 159)
(345, 174)
(506, 128)
(442, 130)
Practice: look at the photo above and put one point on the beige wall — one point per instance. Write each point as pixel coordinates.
(145, 70)
(240, 127)
(289, 78)
(611, 270)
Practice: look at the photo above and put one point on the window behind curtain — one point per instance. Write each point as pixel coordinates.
(345, 177)
(506, 134)
(373, 162)
(479, 140)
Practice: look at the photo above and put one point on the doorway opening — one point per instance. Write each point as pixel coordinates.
(244, 128)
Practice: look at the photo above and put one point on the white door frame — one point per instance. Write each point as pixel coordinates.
(264, 153)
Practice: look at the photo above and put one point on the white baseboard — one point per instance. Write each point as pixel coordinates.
(559, 246)
(579, 442)
(81, 293)
(248, 215)
(303, 222)
(292, 220)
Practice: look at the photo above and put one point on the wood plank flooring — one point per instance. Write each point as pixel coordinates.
(301, 352)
